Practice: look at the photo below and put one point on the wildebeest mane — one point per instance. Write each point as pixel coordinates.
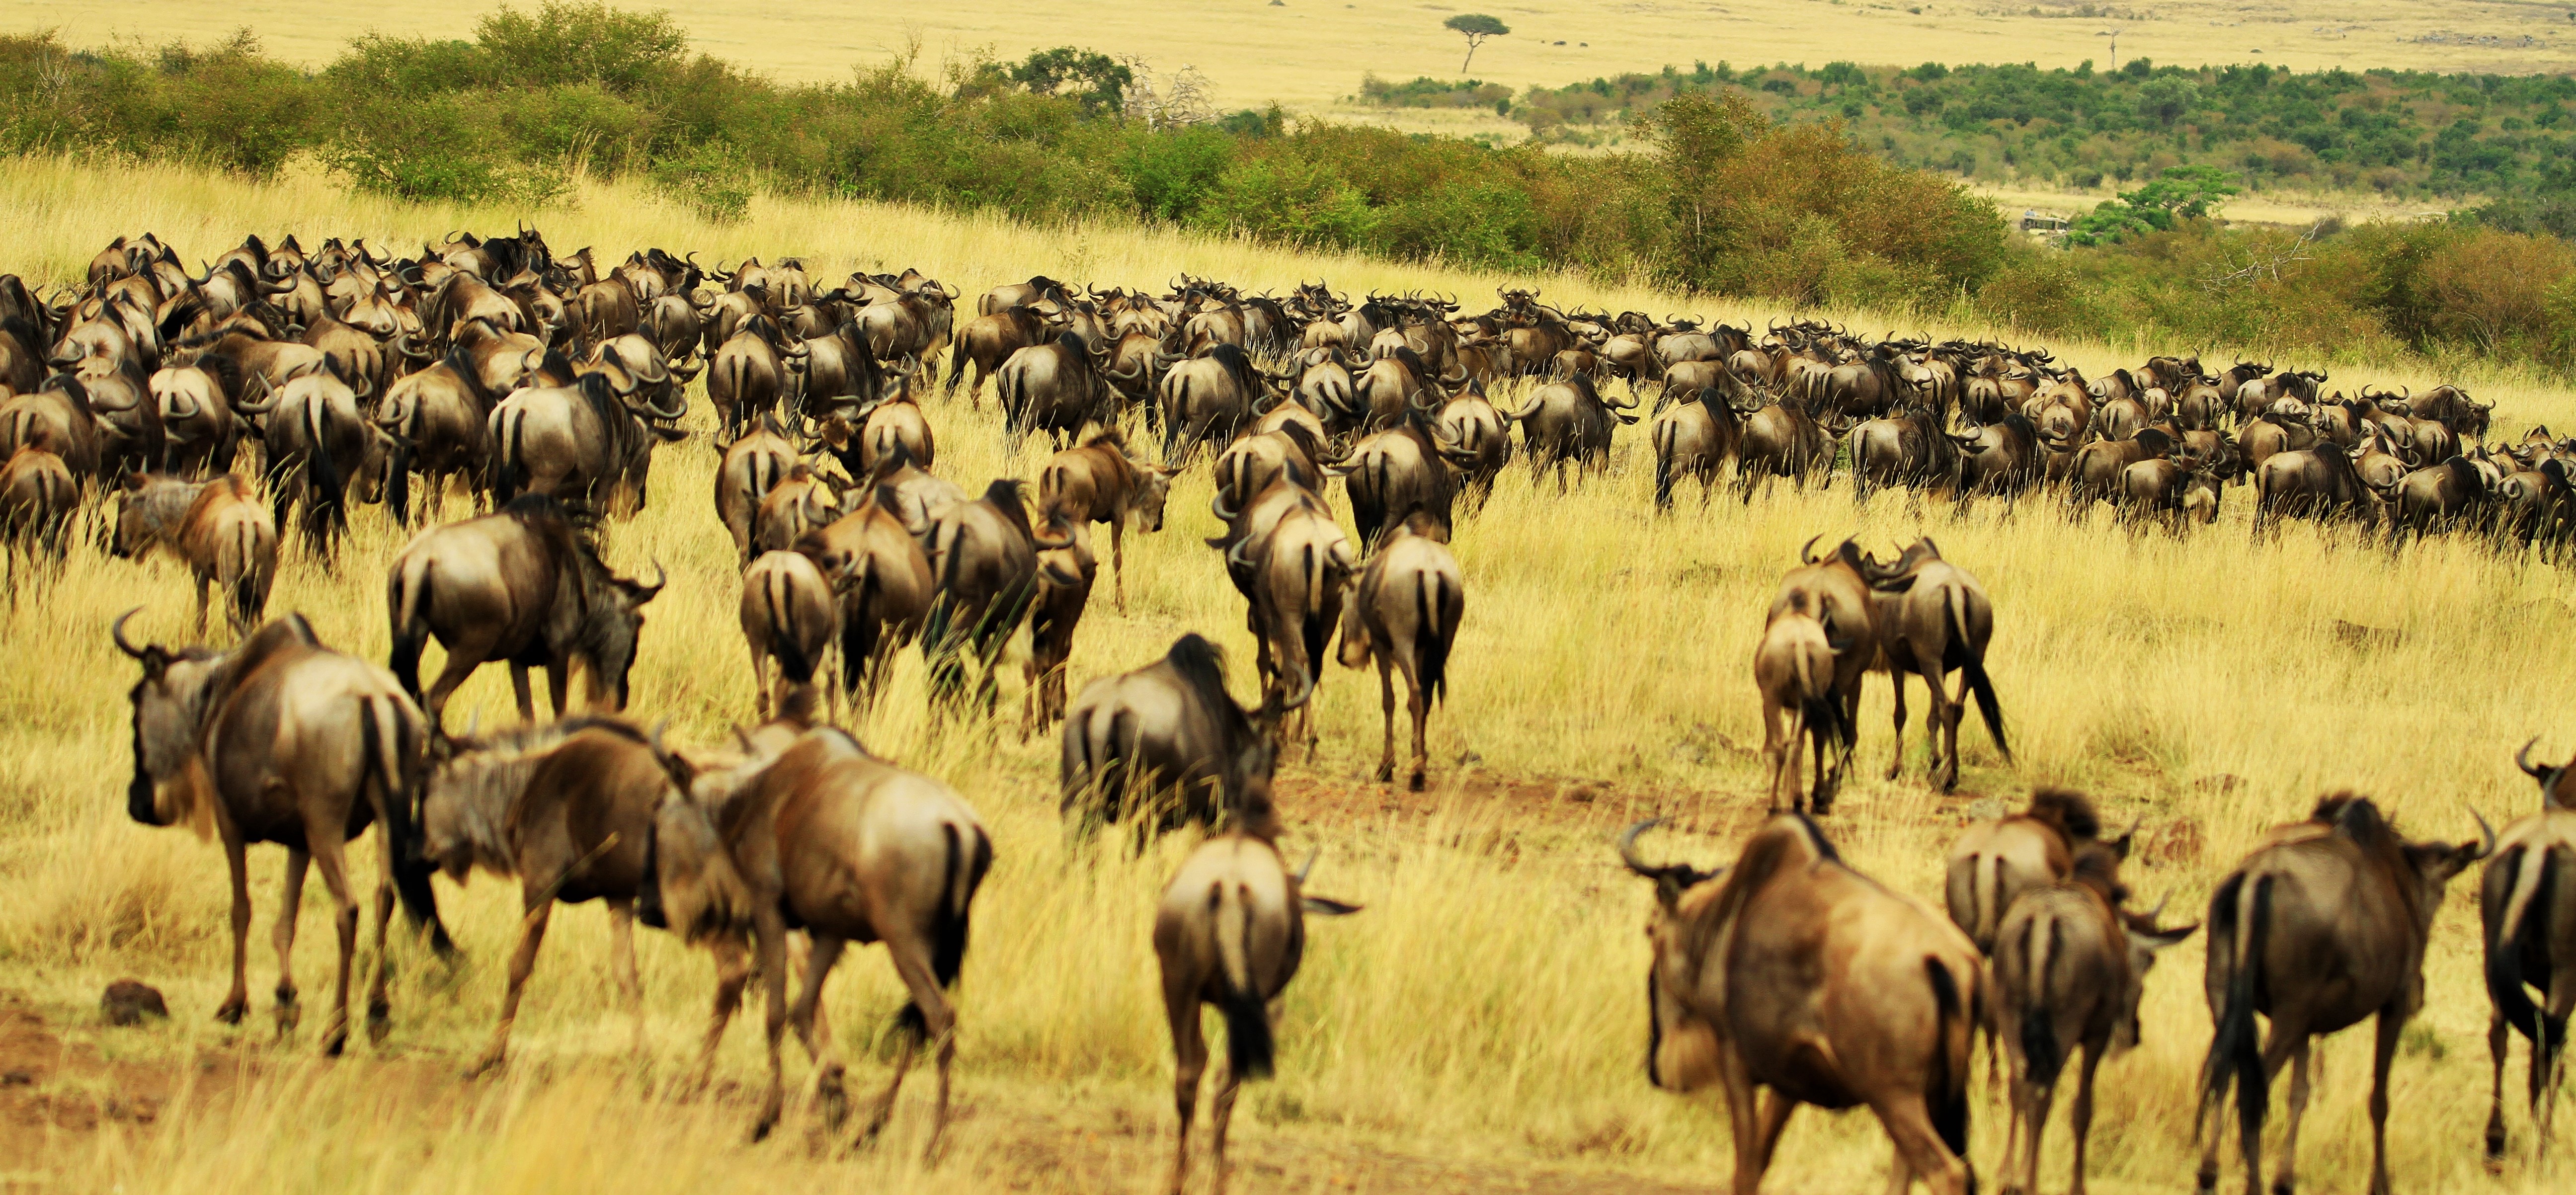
(1004, 496)
(1201, 665)
(2070, 811)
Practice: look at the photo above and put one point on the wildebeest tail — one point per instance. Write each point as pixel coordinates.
(1249, 1048)
(409, 593)
(949, 920)
(1982, 686)
(783, 641)
(250, 590)
(1947, 1099)
(398, 763)
(2235, 1050)
(510, 474)
(2532, 878)
(1432, 635)
(1665, 434)
(324, 503)
(1817, 708)
(2040, 1057)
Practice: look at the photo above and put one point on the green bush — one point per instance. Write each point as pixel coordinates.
(714, 181)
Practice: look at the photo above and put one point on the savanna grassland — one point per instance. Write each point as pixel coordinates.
(1477, 1027)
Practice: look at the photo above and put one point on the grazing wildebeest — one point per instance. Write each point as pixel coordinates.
(217, 527)
(1782, 440)
(2528, 905)
(283, 740)
(2070, 966)
(1833, 592)
(1229, 931)
(566, 808)
(2438, 497)
(1791, 970)
(791, 614)
(1934, 618)
(1404, 608)
(2321, 927)
(1167, 744)
(1993, 861)
(2317, 483)
(825, 837)
(1053, 387)
(2173, 490)
(576, 443)
(521, 585)
(1102, 482)
(1398, 473)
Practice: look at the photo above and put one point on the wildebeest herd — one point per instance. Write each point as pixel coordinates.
(544, 384)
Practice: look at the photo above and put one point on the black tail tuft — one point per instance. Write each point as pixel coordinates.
(2235, 1050)
(1249, 1049)
(2504, 956)
(401, 775)
(2040, 1056)
(1947, 1101)
(1989, 706)
(1434, 637)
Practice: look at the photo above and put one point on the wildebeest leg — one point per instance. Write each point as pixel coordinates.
(1189, 1061)
(380, 1008)
(2499, 1042)
(238, 1001)
(2290, 1047)
(1386, 706)
(537, 901)
(1780, 750)
(2080, 1121)
(1750, 1159)
(2549, 1061)
(938, 1028)
(558, 684)
(759, 681)
(201, 607)
(1919, 1151)
(283, 937)
(2384, 1052)
(828, 1089)
(1419, 704)
(322, 836)
(1896, 683)
(733, 969)
(769, 949)
(1947, 710)
(2031, 1100)
(1774, 1120)
(1118, 559)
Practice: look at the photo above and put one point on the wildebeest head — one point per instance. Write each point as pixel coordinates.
(170, 785)
(616, 624)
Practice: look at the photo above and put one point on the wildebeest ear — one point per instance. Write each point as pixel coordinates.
(1325, 906)
(2159, 939)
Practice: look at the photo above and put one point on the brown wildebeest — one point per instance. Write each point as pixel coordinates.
(58, 419)
(1994, 861)
(2528, 905)
(1230, 931)
(1167, 744)
(283, 740)
(828, 838)
(567, 809)
(791, 614)
(1791, 970)
(38, 499)
(1569, 422)
(1055, 387)
(521, 585)
(883, 580)
(985, 556)
(2070, 967)
(799, 504)
(2322, 926)
(1398, 473)
(1693, 439)
(2001, 458)
(1793, 667)
(577, 442)
(1102, 482)
(759, 461)
(1934, 618)
(1208, 398)
(2171, 490)
(2438, 497)
(2315, 483)
(2095, 473)
(1782, 440)
(988, 340)
(1404, 609)
(1249, 465)
(1833, 590)
(1482, 436)
(751, 371)
(1295, 600)
(217, 527)
(895, 422)
(1911, 450)
(1064, 589)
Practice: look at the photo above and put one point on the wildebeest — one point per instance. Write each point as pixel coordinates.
(1790, 970)
(1229, 931)
(1065, 574)
(1833, 592)
(750, 372)
(2169, 489)
(2317, 483)
(1207, 398)
(1167, 744)
(1994, 861)
(575, 443)
(825, 837)
(217, 527)
(1782, 440)
(38, 499)
(1911, 450)
(2527, 903)
(758, 461)
(283, 740)
(1398, 473)
(2070, 966)
(1056, 388)
(1482, 438)
(568, 810)
(1404, 609)
(1694, 438)
(990, 339)
(1934, 618)
(883, 580)
(2322, 926)
(1294, 597)
(520, 585)
(984, 555)
(1101, 482)
(790, 614)
(2001, 458)
(1569, 422)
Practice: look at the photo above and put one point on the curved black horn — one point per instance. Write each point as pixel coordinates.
(116, 631)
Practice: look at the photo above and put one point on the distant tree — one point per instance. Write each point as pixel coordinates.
(1477, 26)
(1098, 80)
(2177, 193)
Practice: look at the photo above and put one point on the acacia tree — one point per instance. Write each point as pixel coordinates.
(1477, 26)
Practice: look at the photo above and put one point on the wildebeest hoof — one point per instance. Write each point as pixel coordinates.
(1385, 772)
(380, 1021)
(1416, 783)
(231, 1011)
(334, 1045)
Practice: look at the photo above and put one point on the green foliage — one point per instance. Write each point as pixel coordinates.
(2176, 193)
(1097, 80)
(1427, 92)
(1172, 173)
(1476, 25)
(713, 180)
(564, 42)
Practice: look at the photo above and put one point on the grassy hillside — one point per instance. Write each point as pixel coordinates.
(1479, 1024)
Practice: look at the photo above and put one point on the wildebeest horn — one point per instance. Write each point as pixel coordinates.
(661, 577)
(1306, 690)
(190, 413)
(2486, 834)
(249, 406)
(1234, 556)
(1309, 867)
(1806, 551)
(116, 631)
(2522, 759)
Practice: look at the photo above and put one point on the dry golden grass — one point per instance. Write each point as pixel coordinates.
(1309, 53)
(1482, 1013)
